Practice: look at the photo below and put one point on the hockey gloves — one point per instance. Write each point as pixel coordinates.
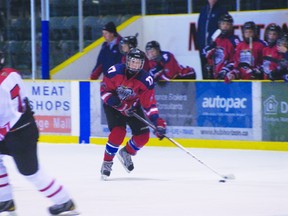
(209, 71)
(282, 64)
(208, 49)
(187, 72)
(285, 77)
(160, 130)
(221, 75)
(126, 108)
(234, 74)
(129, 112)
(156, 71)
(229, 77)
(122, 106)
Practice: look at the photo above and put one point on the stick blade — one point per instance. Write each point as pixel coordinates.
(229, 177)
(216, 34)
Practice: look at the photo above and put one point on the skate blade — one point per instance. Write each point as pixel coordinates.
(122, 162)
(104, 177)
(13, 213)
(69, 213)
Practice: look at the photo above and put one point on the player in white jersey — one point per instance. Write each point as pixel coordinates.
(18, 138)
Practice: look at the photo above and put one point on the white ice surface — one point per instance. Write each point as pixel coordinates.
(165, 182)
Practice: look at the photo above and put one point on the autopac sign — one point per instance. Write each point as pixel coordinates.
(274, 111)
(222, 105)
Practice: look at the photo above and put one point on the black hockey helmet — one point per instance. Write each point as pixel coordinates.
(249, 26)
(131, 41)
(283, 41)
(2, 59)
(152, 45)
(135, 60)
(153, 50)
(226, 18)
(272, 28)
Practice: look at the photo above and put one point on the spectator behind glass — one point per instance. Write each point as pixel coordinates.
(207, 25)
(109, 53)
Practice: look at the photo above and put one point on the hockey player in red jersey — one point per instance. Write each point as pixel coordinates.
(282, 47)
(271, 57)
(164, 66)
(220, 54)
(249, 54)
(128, 43)
(127, 88)
(18, 138)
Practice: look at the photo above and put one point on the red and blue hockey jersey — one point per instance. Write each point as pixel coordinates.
(138, 88)
(271, 59)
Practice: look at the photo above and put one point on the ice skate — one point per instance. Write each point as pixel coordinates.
(106, 169)
(67, 208)
(125, 159)
(7, 208)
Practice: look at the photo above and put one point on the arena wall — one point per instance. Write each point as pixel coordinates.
(244, 115)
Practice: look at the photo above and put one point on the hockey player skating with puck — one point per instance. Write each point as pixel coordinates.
(127, 88)
(18, 138)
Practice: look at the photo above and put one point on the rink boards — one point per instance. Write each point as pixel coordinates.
(245, 115)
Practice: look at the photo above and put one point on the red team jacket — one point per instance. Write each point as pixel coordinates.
(168, 68)
(248, 59)
(271, 58)
(137, 89)
(222, 56)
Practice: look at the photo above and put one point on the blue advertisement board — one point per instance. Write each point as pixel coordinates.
(176, 103)
(224, 105)
(206, 110)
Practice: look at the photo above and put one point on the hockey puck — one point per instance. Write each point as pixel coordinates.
(222, 181)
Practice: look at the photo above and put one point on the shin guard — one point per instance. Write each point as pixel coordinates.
(115, 139)
(136, 143)
(5, 187)
(49, 187)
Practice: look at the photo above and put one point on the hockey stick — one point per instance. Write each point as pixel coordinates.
(215, 35)
(251, 51)
(224, 177)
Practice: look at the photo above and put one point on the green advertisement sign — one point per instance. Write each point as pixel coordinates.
(275, 111)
